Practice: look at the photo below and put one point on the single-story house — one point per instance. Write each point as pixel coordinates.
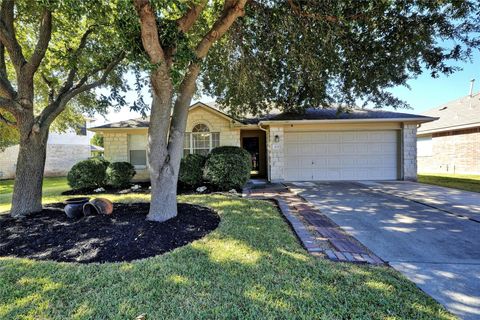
(452, 143)
(63, 151)
(319, 144)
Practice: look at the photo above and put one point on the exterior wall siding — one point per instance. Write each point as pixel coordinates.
(60, 159)
(409, 152)
(453, 152)
(116, 142)
(275, 151)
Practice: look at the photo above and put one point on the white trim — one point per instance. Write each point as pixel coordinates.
(451, 128)
(417, 120)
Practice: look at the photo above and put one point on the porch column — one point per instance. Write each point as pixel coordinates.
(275, 154)
(409, 152)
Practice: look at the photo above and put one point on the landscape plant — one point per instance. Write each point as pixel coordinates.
(284, 54)
(119, 174)
(52, 54)
(87, 174)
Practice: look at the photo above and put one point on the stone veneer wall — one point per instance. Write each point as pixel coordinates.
(275, 154)
(60, 159)
(453, 152)
(228, 136)
(115, 146)
(116, 143)
(409, 152)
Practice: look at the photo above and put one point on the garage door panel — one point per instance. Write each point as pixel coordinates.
(367, 155)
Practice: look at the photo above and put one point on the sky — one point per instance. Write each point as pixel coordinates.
(425, 92)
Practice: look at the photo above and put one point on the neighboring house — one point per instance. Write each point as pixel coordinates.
(452, 143)
(63, 151)
(317, 145)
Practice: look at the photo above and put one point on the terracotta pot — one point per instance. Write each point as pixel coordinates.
(74, 207)
(98, 206)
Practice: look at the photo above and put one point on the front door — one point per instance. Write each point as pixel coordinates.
(254, 142)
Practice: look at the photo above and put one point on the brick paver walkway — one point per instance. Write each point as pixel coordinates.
(317, 233)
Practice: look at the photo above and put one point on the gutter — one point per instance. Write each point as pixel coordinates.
(450, 128)
(418, 120)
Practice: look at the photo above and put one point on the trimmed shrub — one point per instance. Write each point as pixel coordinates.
(232, 150)
(191, 170)
(87, 174)
(119, 174)
(228, 167)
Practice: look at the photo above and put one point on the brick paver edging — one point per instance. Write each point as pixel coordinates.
(341, 246)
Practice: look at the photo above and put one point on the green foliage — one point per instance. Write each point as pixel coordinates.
(71, 19)
(336, 52)
(228, 167)
(232, 150)
(97, 140)
(191, 170)
(119, 174)
(8, 135)
(89, 173)
(256, 269)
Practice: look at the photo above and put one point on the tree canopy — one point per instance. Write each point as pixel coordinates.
(298, 54)
(80, 41)
(293, 54)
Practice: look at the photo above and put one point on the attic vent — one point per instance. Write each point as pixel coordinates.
(442, 108)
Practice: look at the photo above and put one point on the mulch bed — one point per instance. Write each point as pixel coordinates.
(123, 236)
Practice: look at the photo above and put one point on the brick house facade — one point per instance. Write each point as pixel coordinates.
(451, 144)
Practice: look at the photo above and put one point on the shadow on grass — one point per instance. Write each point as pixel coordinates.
(250, 267)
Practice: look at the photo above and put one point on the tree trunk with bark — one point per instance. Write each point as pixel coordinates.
(27, 190)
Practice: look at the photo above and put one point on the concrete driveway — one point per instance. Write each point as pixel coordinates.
(436, 248)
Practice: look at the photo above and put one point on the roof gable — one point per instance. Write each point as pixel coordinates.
(460, 113)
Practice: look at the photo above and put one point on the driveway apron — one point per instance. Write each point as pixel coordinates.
(437, 250)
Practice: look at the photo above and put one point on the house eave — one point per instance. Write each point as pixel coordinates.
(450, 128)
(283, 122)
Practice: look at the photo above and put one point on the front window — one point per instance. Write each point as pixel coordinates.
(137, 147)
(200, 140)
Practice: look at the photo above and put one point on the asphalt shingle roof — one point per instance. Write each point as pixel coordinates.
(332, 114)
(309, 114)
(461, 112)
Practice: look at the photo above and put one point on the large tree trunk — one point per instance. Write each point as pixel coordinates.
(163, 205)
(27, 191)
(166, 146)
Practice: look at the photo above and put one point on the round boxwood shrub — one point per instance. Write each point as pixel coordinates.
(232, 150)
(119, 174)
(191, 170)
(87, 174)
(228, 168)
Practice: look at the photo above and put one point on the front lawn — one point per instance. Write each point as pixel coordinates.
(251, 266)
(457, 181)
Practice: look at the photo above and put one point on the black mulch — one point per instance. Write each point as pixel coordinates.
(123, 236)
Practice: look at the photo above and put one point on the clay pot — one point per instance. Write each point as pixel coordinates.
(98, 206)
(74, 207)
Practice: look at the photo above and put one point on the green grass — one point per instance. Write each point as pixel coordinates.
(457, 181)
(250, 267)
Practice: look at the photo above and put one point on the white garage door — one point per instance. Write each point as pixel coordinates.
(341, 155)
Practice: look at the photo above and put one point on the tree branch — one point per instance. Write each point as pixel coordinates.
(149, 31)
(6, 88)
(73, 71)
(7, 34)
(7, 122)
(191, 16)
(42, 43)
(10, 105)
(229, 16)
(49, 114)
(329, 18)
